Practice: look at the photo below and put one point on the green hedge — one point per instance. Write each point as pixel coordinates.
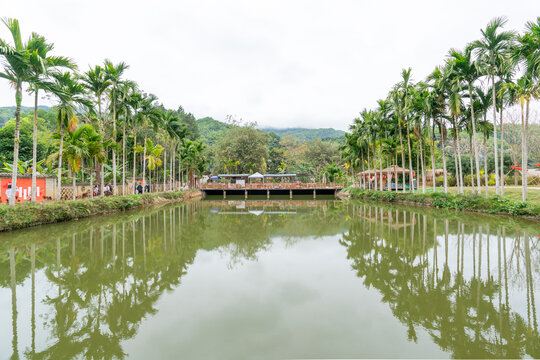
(32, 214)
(493, 205)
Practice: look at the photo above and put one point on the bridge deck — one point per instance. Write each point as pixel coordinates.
(271, 189)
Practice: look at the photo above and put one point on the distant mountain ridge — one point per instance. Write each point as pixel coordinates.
(306, 134)
(8, 112)
(211, 129)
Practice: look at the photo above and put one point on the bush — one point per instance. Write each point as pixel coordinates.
(495, 205)
(30, 214)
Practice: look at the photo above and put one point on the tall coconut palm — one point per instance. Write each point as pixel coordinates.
(17, 71)
(42, 64)
(492, 49)
(113, 73)
(95, 82)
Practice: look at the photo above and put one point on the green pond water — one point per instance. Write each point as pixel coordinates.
(262, 279)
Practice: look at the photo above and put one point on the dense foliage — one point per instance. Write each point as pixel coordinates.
(446, 119)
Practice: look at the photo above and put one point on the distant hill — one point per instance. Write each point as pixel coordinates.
(8, 112)
(304, 134)
(211, 130)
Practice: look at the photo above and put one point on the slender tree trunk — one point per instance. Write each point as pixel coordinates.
(502, 150)
(456, 164)
(381, 172)
(396, 173)
(402, 157)
(472, 167)
(115, 192)
(134, 180)
(411, 176)
(495, 154)
(432, 147)
(458, 155)
(475, 141)
(443, 143)
(102, 130)
(91, 183)
(14, 173)
(524, 151)
(144, 164)
(124, 154)
(74, 197)
(486, 178)
(59, 194)
(423, 164)
(34, 148)
(363, 184)
(164, 171)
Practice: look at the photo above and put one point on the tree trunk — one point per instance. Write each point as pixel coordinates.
(34, 149)
(486, 178)
(443, 143)
(433, 154)
(114, 150)
(144, 164)
(59, 194)
(502, 150)
(164, 171)
(472, 167)
(411, 176)
(102, 131)
(402, 157)
(475, 141)
(460, 172)
(91, 183)
(363, 178)
(14, 173)
(422, 163)
(524, 155)
(74, 197)
(124, 155)
(456, 164)
(134, 180)
(495, 154)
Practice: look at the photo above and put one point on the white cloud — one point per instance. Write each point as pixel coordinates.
(280, 63)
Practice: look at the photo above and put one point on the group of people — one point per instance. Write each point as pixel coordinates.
(107, 190)
(139, 188)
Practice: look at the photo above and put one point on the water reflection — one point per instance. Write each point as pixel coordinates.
(469, 281)
(456, 279)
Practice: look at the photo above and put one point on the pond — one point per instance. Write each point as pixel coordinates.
(262, 279)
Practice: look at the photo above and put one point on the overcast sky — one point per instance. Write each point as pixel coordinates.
(280, 63)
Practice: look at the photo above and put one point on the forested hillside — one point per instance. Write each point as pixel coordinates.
(8, 112)
(304, 134)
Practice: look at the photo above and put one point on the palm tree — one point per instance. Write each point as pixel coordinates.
(70, 94)
(17, 71)
(76, 151)
(153, 156)
(484, 103)
(96, 153)
(466, 70)
(95, 82)
(113, 74)
(524, 89)
(454, 105)
(42, 64)
(126, 92)
(492, 49)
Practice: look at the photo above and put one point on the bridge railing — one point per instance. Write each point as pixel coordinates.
(269, 186)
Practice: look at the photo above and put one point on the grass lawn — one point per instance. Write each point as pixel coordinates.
(513, 193)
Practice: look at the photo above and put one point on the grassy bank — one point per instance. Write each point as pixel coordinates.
(28, 214)
(491, 205)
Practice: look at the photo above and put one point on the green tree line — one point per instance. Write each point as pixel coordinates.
(101, 118)
(462, 99)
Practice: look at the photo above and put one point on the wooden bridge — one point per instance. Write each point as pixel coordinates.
(269, 189)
